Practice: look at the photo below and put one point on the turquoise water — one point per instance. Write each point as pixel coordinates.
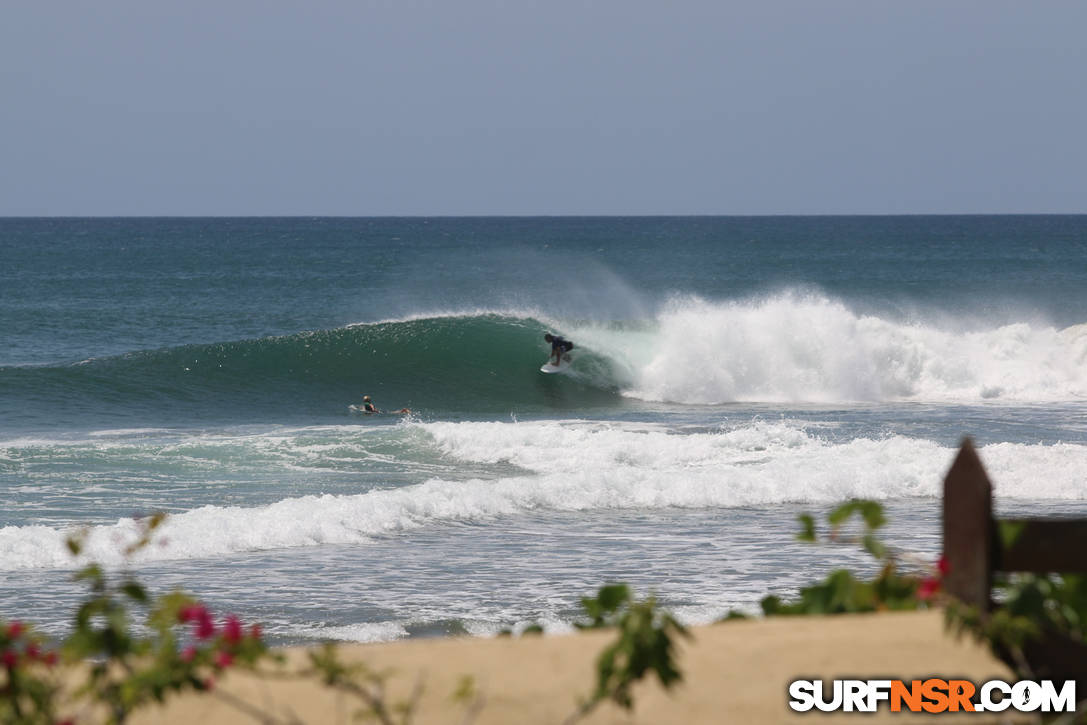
(729, 373)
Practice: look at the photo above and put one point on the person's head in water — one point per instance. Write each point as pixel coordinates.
(549, 337)
(366, 398)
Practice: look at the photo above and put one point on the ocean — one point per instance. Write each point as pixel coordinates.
(729, 373)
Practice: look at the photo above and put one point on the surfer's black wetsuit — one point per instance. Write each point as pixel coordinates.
(558, 344)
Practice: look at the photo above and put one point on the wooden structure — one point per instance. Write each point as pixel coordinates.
(976, 546)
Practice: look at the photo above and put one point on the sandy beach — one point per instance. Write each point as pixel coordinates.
(733, 672)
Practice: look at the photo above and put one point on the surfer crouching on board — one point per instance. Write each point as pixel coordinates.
(369, 407)
(559, 348)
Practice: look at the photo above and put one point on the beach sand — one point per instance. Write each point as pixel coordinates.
(735, 672)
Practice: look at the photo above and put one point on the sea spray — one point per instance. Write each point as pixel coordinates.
(792, 349)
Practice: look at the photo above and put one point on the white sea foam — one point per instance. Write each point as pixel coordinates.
(809, 348)
(361, 632)
(581, 466)
(127, 432)
(550, 625)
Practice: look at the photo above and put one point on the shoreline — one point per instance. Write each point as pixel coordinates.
(732, 672)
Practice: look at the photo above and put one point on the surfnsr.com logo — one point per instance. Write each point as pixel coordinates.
(932, 695)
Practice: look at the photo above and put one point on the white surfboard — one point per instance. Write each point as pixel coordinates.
(549, 368)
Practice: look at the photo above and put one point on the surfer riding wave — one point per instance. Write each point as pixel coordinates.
(560, 348)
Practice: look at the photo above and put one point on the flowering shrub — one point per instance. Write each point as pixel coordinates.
(899, 585)
(135, 649)
(127, 670)
(27, 685)
(1039, 623)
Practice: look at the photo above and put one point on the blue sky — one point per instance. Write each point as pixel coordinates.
(137, 107)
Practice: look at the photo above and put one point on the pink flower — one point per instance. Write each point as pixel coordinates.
(192, 613)
(198, 614)
(205, 628)
(9, 658)
(188, 654)
(15, 629)
(49, 658)
(224, 659)
(232, 630)
(943, 567)
(928, 588)
(32, 650)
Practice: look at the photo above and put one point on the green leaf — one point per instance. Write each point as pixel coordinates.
(872, 513)
(613, 596)
(75, 545)
(771, 605)
(164, 613)
(1009, 532)
(841, 514)
(644, 645)
(92, 572)
(602, 608)
(873, 546)
(807, 531)
(134, 591)
(466, 689)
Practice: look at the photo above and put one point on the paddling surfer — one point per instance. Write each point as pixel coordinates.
(369, 407)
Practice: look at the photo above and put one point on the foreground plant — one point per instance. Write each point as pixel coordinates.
(899, 585)
(1037, 623)
(129, 649)
(1029, 609)
(185, 648)
(645, 644)
(368, 687)
(28, 686)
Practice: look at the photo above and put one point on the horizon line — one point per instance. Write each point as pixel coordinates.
(540, 216)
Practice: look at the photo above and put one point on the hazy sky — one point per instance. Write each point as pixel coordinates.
(268, 107)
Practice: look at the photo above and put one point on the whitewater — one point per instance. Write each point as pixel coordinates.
(729, 374)
(568, 467)
(793, 348)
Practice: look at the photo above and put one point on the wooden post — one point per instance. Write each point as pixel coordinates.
(1044, 545)
(968, 529)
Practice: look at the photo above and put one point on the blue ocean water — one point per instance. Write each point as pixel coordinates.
(728, 373)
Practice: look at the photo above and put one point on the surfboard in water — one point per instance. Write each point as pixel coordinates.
(549, 368)
(361, 409)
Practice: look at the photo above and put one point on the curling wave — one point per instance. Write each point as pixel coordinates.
(788, 348)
